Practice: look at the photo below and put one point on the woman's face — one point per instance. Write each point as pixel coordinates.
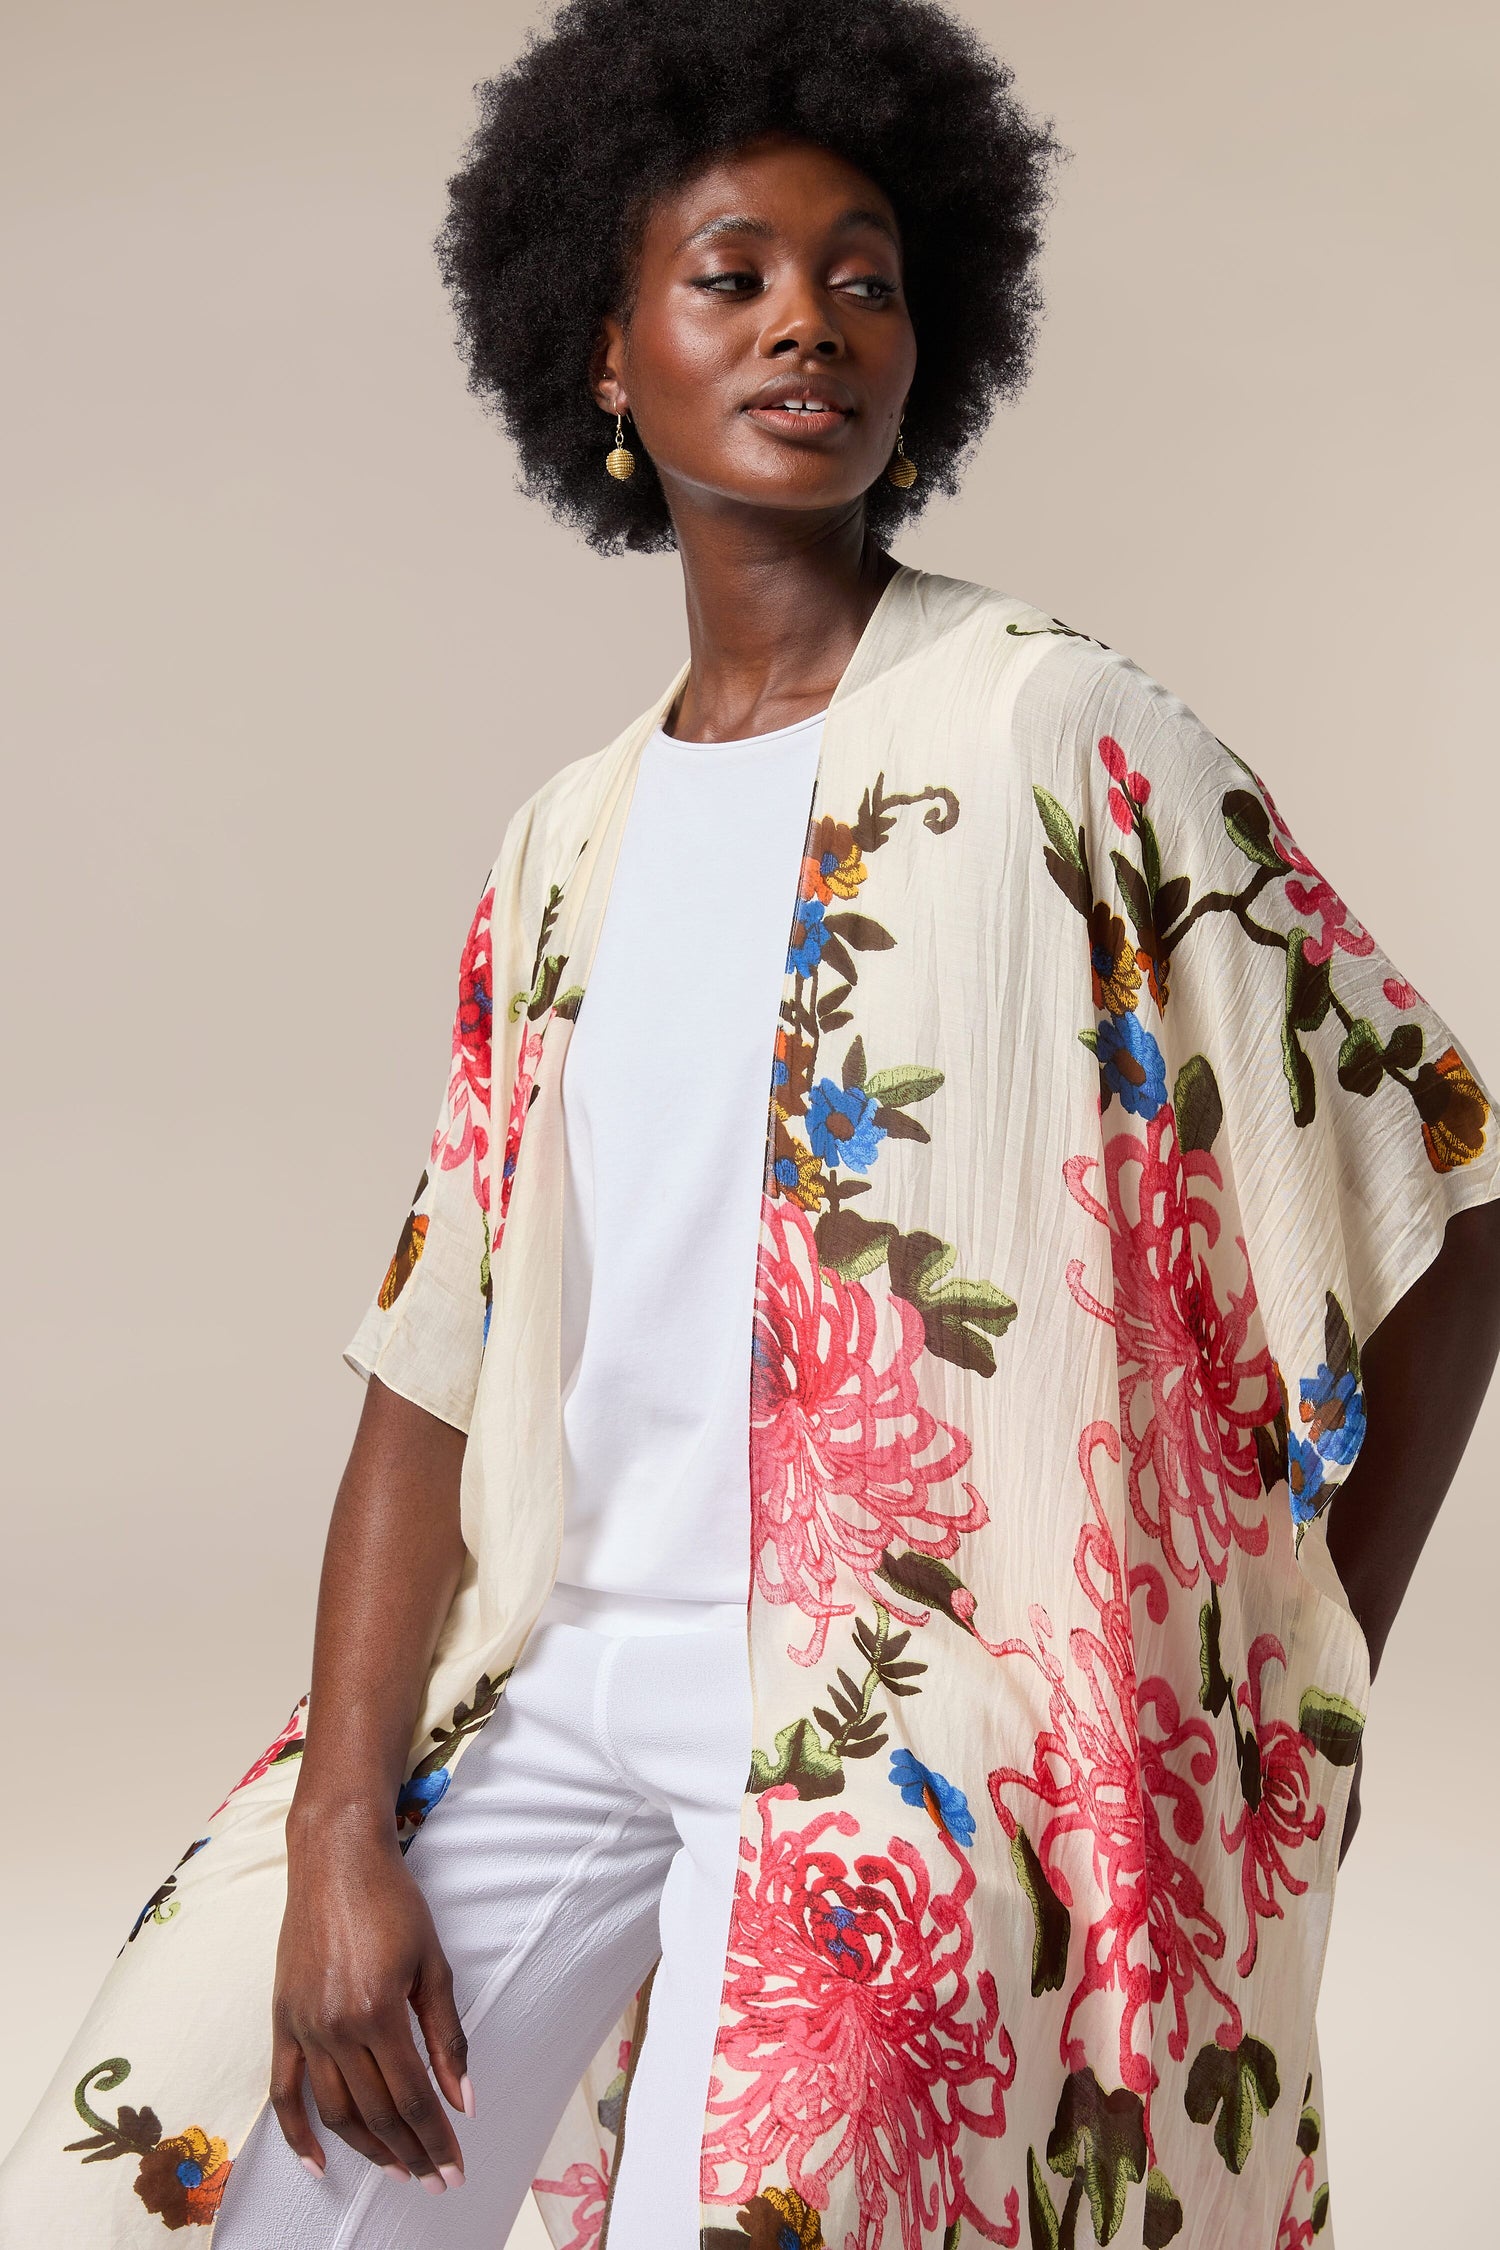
(772, 276)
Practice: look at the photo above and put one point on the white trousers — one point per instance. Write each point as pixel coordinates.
(592, 1825)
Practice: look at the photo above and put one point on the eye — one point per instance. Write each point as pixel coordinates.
(715, 282)
(874, 282)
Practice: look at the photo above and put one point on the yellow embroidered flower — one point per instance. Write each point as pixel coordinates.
(1454, 1111)
(796, 1172)
(834, 867)
(1117, 975)
(778, 2219)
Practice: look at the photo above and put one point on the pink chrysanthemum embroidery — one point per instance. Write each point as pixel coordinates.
(845, 1459)
(856, 2034)
(463, 1136)
(586, 2188)
(1191, 1393)
(1277, 1816)
(527, 1058)
(1102, 1771)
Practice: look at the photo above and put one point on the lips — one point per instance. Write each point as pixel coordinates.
(801, 407)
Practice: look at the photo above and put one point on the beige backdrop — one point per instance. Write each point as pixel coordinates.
(286, 649)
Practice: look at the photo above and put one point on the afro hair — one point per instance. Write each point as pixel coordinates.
(614, 102)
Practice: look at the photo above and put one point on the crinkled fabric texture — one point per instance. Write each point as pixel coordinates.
(1101, 1133)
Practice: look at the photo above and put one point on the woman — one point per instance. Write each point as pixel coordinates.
(997, 1376)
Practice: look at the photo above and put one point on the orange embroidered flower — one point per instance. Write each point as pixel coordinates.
(791, 1074)
(834, 866)
(408, 1253)
(1454, 1111)
(1117, 979)
(183, 2179)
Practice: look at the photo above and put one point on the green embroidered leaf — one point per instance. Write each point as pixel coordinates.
(1054, 1924)
(958, 1316)
(1299, 1076)
(1333, 1727)
(1320, 2209)
(1090, 1038)
(802, 1758)
(1309, 2130)
(898, 1089)
(1361, 1058)
(858, 930)
(1249, 826)
(1136, 896)
(1235, 2082)
(1101, 2138)
(1045, 2233)
(1213, 1693)
(566, 1004)
(1404, 1047)
(1198, 1104)
(1150, 856)
(851, 1246)
(1061, 833)
(1309, 995)
(951, 2235)
(1163, 2218)
(853, 1073)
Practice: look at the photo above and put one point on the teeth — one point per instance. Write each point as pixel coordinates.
(804, 406)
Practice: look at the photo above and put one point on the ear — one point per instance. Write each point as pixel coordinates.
(604, 368)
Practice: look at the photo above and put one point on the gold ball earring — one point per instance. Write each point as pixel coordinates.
(621, 461)
(901, 469)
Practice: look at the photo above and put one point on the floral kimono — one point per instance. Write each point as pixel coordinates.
(1100, 1136)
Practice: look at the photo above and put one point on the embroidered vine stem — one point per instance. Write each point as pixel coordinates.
(103, 2079)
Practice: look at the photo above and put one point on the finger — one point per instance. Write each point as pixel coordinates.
(408, 2113)
(342, 2114)
(291, 2109)
(442, 2030)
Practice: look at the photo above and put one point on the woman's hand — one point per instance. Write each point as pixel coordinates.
(358, 1954)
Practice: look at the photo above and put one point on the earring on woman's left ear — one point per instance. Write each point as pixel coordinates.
(621, 461)
(901, 469)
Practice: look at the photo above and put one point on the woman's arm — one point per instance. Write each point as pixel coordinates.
(357, 1941)
(1425, 1370)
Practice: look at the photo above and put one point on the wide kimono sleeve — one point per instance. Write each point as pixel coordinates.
(1324, 1110)
(424, 1331)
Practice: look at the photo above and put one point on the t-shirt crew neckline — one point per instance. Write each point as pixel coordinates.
(743, 741)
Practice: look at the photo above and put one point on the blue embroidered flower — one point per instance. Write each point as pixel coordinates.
(1333, 1408)
(1131, 1064)
(841, 1125)
(809, 936)
(946, 1805)
(1304, 1469)
(420, 1794)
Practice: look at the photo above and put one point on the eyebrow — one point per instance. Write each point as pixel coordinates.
(741, 223)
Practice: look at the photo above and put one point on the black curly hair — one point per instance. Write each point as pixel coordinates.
(615, 101)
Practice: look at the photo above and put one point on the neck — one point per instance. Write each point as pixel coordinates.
(774, 612)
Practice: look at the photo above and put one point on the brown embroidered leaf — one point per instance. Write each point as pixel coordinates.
(854, 1064)
(860, 931)
(1171, 900)
(899, 1126)
(1361, 1058)
(1249, 827)
(838, 958)
(1333, 1726)
(851, 1246)
(802, 1758)
(1235, 2082)
(1213, 1691)
(1054, 1924)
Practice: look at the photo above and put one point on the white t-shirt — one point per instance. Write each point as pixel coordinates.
(665, 1087)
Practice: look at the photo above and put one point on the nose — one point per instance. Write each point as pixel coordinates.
(801, 322)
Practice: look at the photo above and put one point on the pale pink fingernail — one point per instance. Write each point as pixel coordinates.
(432, 2183)
(312, 2165)
(466, 2094)
(452, 2174)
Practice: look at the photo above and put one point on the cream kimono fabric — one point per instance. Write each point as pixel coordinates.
(1101, 1135)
